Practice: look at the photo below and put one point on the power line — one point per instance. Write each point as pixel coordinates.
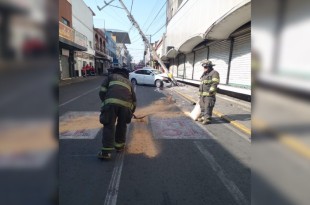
(156, 16)
(159, 29)
(131, 6)
(153, 9)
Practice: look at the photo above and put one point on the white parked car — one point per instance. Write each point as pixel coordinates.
(148, 76)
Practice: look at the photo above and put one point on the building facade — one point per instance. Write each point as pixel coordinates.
(83, 23)
(197, 31)
(111, 46)
(122, 54)
(102, 60)
(69, 43)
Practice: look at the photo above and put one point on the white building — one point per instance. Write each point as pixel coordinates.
(122, 54)
(216, 30)
(82, 21)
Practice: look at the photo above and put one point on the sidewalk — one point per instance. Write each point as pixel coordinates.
(69, 81)
(235, 111)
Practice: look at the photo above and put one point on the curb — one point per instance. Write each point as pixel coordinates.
(219, 114)
(289, 141)
(72, 81)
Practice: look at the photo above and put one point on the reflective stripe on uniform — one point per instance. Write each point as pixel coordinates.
(119, 145)
(206, 81)
(118, 101)
(107, 148)
(121, 84)
(212, 89)
(216, 80)
(207, 94)
(103, 89)
(204, 93)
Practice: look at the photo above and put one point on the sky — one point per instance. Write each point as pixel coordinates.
(149, 14)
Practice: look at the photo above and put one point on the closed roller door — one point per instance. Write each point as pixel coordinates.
(200, 55)
(65, 67)
(173, 67)
(189, 66)
(240, 71)
(219, 55)
(181, 66)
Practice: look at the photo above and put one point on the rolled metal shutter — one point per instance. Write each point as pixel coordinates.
(219, 55)
(200, 55)
(181, 66)
(189, 66)
(65, 66)
(173, 67)
(240, 70)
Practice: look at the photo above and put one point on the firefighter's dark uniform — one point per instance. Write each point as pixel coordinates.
(118, 103)
(207, 90)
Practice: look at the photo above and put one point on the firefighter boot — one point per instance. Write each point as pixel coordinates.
(200, 119)
(119, 147)
(104, 155)
(206, 121)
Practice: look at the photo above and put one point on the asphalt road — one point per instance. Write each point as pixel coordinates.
(169, 159)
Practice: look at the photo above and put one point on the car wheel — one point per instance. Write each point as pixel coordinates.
(134, 81)
(158, 83)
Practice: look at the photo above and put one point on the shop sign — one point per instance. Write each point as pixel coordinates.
(66, 32)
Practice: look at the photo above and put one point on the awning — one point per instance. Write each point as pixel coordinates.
(121, 36)
(188, 45)
(172, 53)
(224, 26)
(164, 58)
(64, 43)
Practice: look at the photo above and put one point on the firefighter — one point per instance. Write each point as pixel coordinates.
(118, 104)
(207, 90)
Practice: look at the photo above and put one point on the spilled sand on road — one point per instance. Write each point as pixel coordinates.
(142, 141)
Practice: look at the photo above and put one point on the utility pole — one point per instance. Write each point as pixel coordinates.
(145, 40)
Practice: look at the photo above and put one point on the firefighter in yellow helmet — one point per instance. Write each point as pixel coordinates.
(207, 90)
(118, 104)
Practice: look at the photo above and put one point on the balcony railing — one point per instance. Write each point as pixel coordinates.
(98, 48)
(72, 35)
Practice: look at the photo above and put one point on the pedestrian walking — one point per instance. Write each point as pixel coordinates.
(118, 105)
(207, 90)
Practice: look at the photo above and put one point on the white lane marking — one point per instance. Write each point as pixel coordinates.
(111, 197)
(79, 125)
(229, 184)
(112, 193)
(73, 99)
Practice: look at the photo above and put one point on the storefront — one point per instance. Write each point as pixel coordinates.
(67, 47)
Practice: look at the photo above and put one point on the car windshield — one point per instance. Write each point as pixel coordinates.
(156, 72)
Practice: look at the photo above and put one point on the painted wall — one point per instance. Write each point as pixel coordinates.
(82, 21)
(65, 10)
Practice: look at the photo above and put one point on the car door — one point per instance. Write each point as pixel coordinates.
(148, 77)
(139, 75)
